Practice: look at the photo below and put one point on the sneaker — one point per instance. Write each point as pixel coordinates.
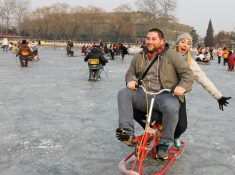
(178, 144)
(162, 149)
(126, 136)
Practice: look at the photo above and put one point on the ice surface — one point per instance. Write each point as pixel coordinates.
(54, 122)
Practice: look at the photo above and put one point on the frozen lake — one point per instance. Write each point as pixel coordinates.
(54, 122)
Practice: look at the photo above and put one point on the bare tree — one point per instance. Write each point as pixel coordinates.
(54, 28)
(94, 21)
(2, 16)
(123, 8)
(20, 8)
(79, 16)
(167, 7)
(7, 9)
(150, 9)
(62, 26)
(121, 19)
(44, 19)
(157, 11)
(37, 22)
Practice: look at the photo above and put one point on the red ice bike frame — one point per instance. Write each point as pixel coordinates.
(146, 144)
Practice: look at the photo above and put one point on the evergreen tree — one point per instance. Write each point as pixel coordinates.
(195, 37)
(209, 39)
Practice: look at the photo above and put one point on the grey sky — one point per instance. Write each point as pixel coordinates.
(196, 13)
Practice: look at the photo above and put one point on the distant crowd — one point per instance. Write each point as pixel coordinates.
(204, 55)
(110, 49)
(223, 54)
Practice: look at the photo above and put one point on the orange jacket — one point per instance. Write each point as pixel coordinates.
(225, 53)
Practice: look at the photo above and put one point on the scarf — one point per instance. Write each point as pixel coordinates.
(150, 56)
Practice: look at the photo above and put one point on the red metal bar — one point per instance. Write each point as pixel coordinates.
(173, 154)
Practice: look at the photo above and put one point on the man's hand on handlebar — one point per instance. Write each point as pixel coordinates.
(179, 91)
(132, 85)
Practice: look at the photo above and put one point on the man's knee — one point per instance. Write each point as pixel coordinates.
(123, 93)
(171, 106)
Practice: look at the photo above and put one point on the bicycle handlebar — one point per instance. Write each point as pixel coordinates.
(155, 93)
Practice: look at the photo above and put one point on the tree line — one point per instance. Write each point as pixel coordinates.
(62, 22)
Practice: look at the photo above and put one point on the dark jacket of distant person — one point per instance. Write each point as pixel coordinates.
(96, 54)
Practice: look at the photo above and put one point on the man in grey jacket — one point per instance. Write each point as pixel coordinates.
(169, 71)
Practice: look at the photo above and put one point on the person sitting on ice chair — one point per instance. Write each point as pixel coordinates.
(96, 61)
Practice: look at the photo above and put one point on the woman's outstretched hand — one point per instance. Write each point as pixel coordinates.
(223, 102)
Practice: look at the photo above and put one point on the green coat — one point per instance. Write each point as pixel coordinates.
(173, 69)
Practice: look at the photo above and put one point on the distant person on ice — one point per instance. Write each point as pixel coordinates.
(225, 55)
(69, 48)
(96, 61)
(5, 45)
(230, 61)
(24, 53)
(219, 54)
(123, 50)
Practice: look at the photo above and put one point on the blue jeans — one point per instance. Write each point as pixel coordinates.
(21, 59)
(5, 48)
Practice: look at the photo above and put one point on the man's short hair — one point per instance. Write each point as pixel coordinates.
(160, 33)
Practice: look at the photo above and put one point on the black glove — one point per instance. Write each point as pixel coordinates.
(223, 102)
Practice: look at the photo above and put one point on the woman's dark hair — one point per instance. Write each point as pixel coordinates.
(160, 33)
